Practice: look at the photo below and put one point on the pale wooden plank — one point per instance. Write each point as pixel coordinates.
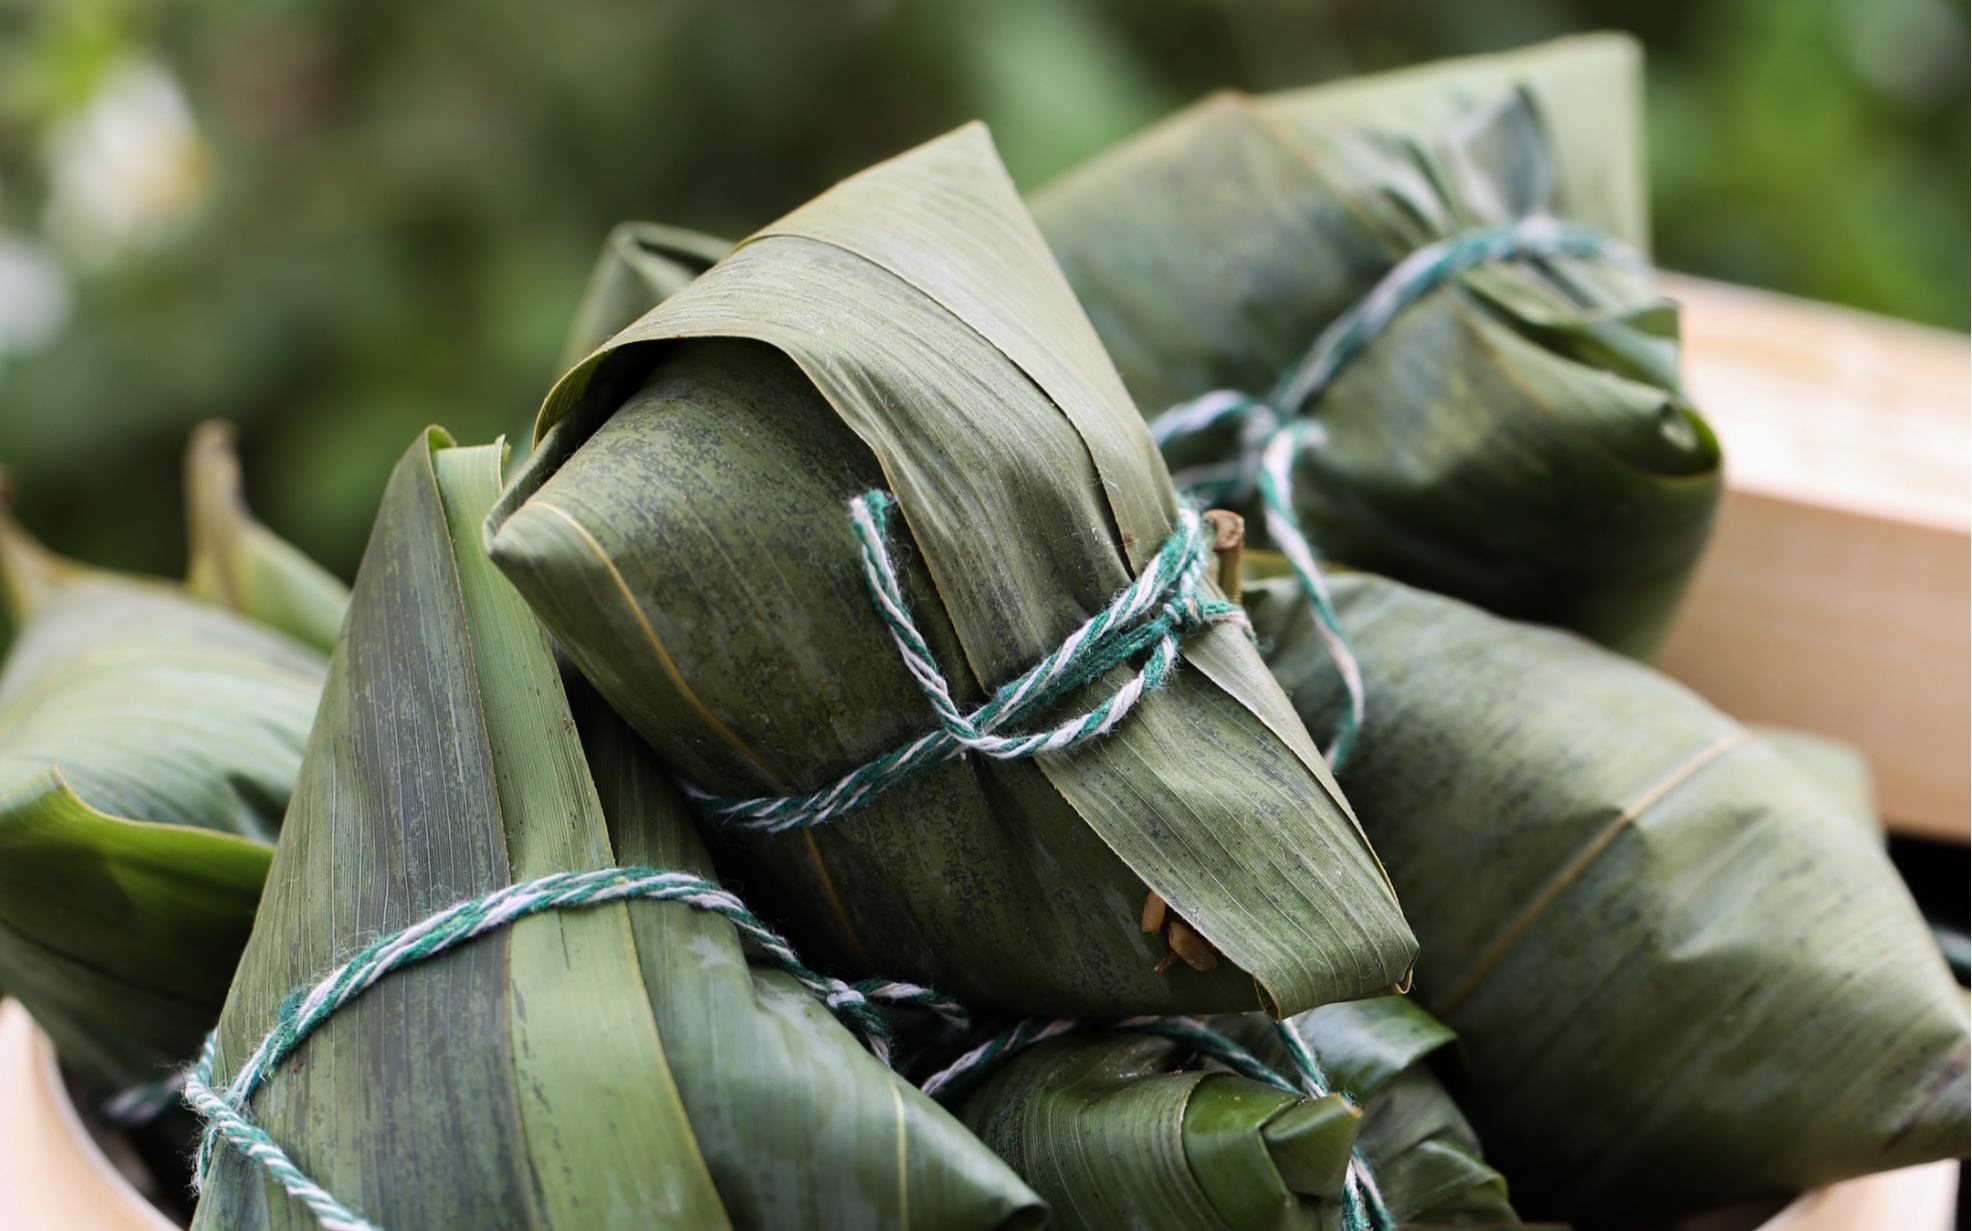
(1833, 621)
(1837, 593)
(52, 1176)
(1914, 1199)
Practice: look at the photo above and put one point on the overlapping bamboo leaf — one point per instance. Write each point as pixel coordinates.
(1428, 1163)
(148, 744)
(682, 530)
(240, 564)
(642, 264)
(1681, 974)
(615, 1067)
(1518, 437)
(1104, 1129)
(800, 1125)
(1116, 1136)
(519, 1082)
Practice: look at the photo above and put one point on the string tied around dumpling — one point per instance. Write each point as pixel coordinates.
(1265, 435)
(224, 1111)
(1363, 1207)
(1148, 618)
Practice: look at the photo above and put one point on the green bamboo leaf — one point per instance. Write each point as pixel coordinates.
(119, 936)
(618, 1066)
(1590, 93)
(1661, 944)
(148, 743)
(682, 530)
(1839, 768)
(642, 264)
(1098, 1125)
(1427, 1161)
(1107, 1128)
(238, 563)
(1517, 437)
(519, 1082)
(1364, 1046)
(29, 572)
(800, 1125)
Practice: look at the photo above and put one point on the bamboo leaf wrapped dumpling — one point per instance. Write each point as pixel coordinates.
(642, 264)
(1682, 974)
(1114, 1134)
(799, 1124)
(1517, 437)
(148, 744)
(554, 1072)
(1429, 1166)
(1113, 1138)
(242, 565)
(683, 528)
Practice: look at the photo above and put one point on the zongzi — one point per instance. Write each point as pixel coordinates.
(799, 1124)
(1429, 1168)
(1517, 436)
(1681, 973)
(148, 744)
(1115, 1134)
(696, 529)
(242, 565)
(642, 264)
(619, 1065)
(1113, 1137)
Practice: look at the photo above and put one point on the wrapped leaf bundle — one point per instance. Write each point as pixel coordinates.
(1516, 436)
(618, 1065)
(1428, 1163)
(684, 530)
(1104, 1128)
(240, 564)
(148, 744)
(642, 265)
(1113, 1136)
(1682, 976)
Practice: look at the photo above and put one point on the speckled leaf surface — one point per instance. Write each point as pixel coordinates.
(1680, 973)
(519, 1081)
(148, 744)
(800, 1125)
(1518, 437)
(682, 529)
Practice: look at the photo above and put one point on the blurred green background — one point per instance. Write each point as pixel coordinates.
(333, 221)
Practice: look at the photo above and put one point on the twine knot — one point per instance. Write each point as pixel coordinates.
(1150, 615)
(1264, 435)
(1363, 1207)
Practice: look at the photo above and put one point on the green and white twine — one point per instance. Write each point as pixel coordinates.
(1150, 614)
(1272, 431)
(225, 1111)
(139, 1105)
(1363, 1207)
